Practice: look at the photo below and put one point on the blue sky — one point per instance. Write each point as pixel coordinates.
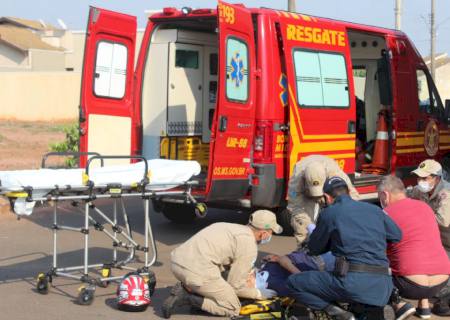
(374, 12)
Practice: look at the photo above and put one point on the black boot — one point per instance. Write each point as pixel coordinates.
(196, 304)
(338, 313)
(178, 298)
(441, 307)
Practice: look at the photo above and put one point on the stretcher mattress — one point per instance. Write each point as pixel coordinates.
(162, 175)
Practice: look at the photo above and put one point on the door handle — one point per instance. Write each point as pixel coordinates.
(420, 124)
(223, 123)
(351, 127)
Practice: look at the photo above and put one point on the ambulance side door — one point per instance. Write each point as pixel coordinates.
(106, 108)
(234, 118)
(322, 116)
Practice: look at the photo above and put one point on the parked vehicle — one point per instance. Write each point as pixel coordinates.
(249, 92)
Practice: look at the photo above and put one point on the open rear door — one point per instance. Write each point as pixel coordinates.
(234, 121)
(322, 114)
(106, 108)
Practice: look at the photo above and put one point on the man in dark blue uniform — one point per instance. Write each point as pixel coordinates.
(356, 233)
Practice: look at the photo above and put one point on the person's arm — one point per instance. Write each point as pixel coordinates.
(319, 240)
(393, 232)
(287, 264)
(443, 211)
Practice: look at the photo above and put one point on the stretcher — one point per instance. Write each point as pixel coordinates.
(145, 179)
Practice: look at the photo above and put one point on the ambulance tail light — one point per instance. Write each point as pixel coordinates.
(263, 141)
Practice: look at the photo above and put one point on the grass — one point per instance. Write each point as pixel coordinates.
(37, 127)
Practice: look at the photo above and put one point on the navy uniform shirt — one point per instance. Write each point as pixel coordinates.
(358, 231)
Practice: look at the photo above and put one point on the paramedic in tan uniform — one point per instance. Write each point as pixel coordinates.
(305, 191)
(435, 191)
(199, 262)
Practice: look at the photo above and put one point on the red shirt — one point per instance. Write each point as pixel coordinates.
(420, 251)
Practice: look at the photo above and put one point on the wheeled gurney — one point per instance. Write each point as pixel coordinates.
(143, 179)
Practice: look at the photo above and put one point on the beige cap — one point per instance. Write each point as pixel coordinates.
(428, 167)
(315, 177)
(265, 219)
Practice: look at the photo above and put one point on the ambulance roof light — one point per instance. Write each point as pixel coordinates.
(169, 11)
(186, 10)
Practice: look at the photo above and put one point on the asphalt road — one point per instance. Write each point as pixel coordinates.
(26, 248)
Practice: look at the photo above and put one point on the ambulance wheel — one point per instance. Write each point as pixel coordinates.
(446, 167)
(284, 219)
(42, 284)
(179, 213)
(85, 296)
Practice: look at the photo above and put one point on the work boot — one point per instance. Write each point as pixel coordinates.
(338, 313)
(178, 298)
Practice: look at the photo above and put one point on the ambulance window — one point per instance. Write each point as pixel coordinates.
(321, 79)
(186, 59)
(237, 70)
(110, 70)
(423, 92)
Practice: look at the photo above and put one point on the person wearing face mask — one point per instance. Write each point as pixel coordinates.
(435, 191)
(357, 234)
(305, 195)
(199, 262)
(419, 264)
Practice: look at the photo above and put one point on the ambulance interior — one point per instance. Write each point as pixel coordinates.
(179, 91)
(370, 91)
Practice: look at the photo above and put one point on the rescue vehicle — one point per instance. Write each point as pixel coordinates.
(248, 92)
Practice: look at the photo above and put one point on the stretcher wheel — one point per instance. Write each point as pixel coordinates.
(42, 284)
(106, 273)
(85, 296)
(201, 210)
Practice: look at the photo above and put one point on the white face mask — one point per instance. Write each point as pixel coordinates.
(266, 240)
(424, 186)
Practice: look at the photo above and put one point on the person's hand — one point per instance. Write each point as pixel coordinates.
(251, 280)
(271, 258)
(311, 228)
(266, 294)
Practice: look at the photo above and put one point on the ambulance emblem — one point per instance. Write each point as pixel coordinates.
(237, 69)
(283, 94)
(431, 141)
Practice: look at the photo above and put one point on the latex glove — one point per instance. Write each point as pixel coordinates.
(266, 294)
(311, 228)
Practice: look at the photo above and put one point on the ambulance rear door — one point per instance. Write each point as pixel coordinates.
(234, 119)
(320, 87)
(106, 108)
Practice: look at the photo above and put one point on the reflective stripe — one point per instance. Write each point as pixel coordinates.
(382, 135)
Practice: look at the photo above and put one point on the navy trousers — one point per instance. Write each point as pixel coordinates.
(318, 289)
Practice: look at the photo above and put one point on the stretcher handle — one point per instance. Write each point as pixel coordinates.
(144, 180)
(68, 153)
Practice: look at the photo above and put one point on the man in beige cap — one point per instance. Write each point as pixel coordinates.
(435, 191)
(199, 262)
(305, 191)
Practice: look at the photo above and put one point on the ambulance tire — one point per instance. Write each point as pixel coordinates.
(446, 167)
(284, 219)
(179, 213)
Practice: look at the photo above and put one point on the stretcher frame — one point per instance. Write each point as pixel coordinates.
(120, 235)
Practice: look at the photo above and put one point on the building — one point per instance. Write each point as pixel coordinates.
(442, 68)
(27, 45)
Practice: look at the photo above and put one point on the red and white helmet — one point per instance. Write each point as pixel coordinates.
(133, 293)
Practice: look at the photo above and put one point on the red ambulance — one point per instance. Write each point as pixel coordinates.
(249, 92)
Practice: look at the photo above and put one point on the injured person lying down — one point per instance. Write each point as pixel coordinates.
(276, 269)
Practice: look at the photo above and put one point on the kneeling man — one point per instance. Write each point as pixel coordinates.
(199, 262)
